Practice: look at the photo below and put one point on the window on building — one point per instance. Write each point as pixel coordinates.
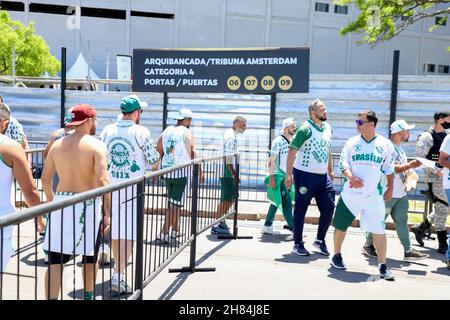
(429, 67)
(12, 5)
(322, 7)
(443, 69)
(441, 21)
(341, 9)
(152, 15)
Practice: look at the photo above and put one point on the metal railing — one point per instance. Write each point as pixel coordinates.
(183, 199)
(253, 167)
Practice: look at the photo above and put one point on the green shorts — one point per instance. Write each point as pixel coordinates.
(175, 190)
(343, 217)
(229, 191)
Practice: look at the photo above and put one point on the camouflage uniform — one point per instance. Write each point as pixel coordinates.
(439, 216)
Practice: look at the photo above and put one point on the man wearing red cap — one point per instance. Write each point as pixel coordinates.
(79, 160)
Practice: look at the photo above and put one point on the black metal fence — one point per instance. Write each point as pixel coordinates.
(152, 219)
(253, 167)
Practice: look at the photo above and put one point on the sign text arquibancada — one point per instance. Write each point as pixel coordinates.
(222, 71)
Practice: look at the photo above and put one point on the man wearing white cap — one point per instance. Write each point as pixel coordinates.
(277, 194)
(310, 149)
(398, 206)
(176, 145)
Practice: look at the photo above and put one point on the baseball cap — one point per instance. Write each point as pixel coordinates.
(441, 114)
(400, 125)
(68, 116)
(287, 122)
(183, 114)
(80, 113)
(131, 103)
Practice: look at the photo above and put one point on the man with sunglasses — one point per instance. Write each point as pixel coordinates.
(313, 175)
(398, 206)
(364, 160)
(130, 150)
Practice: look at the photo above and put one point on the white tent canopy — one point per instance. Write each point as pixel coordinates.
(79, 70)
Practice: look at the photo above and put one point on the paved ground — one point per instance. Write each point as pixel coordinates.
(259, 268)
(264, 268)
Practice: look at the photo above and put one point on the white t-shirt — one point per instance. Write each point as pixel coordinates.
(445, 147)
(130, 148)
(174, 146)
(280, 149)
(399, 156)
(368, 161)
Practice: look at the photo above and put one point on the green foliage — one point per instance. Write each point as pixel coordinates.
(381, 20)
(33, 57)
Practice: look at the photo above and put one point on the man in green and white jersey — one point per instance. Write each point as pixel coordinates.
(313, 175)
(229, 179)
(176, 145)
(398, 206)
(364, 160)
(277, 194)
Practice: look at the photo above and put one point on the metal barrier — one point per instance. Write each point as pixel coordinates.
(253, 166)
(184, 200)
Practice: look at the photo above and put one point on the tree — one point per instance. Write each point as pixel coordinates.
(33, 57)
(381, 20)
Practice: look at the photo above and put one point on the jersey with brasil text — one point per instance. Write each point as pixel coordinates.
(368, 161)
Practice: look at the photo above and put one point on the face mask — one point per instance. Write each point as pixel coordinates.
(446, 125)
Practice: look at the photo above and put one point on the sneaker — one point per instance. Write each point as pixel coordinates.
(320, 244)
(163, 238)
(415, 255)
(103, 255)
(290, 237)
(176, 234)
(369, 251)
(300, 250)
(219, 230)
(120, 287)
(386, 273)
(269, 230)
(338, 262)
(419, 233)
(224, 225)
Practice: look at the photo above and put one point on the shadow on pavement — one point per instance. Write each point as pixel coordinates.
(351, 276)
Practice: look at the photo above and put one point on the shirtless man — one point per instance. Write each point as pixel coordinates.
(80, 162)
(13, 164)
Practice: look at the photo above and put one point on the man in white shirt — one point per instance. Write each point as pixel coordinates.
(130, 149)
(398, 206)
(365, 158)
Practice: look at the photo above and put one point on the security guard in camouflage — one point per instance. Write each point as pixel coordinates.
(428, 145)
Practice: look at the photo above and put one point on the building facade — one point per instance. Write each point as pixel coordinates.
(110, 27)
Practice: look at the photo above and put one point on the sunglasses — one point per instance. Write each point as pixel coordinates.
(360, 122)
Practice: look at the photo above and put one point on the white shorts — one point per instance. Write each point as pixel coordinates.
(6, 247)
(78, 224)
(123, 214)
(371, 209)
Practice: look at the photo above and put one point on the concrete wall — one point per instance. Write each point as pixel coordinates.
(237, 23)
(345, 95)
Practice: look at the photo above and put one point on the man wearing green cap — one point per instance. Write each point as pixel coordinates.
(130, 149)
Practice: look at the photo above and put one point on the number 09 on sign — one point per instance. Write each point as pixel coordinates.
(285, 83)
